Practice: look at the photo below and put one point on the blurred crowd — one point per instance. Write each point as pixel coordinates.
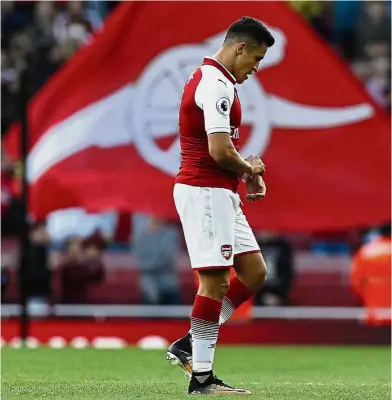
(38, 37)
(360, 31)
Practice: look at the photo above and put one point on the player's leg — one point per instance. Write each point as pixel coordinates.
(196, 353)
(247, 253)
(213, 286)
(207, 216)
(250, 277)
(251, 270)
(251, 273)
(202, 212)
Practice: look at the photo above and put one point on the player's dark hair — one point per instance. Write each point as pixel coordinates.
(249, 29)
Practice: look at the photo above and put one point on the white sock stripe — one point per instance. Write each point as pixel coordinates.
(207, 338)
(198, 331)
(227, 310)
(226, 303)
(225, 317)
(204, 329)
(202, 322)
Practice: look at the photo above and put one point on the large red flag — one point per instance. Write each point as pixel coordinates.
(103, 130)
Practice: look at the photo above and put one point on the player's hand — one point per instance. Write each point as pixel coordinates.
(258, 166)
(255, 188)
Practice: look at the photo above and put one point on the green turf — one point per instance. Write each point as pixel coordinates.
(281, 373)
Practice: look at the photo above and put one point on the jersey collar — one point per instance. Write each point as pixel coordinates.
(222, 68)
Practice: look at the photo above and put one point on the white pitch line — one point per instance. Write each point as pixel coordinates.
(314, 383)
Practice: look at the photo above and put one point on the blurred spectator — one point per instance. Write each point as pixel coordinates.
(373, 30)
(308, 9)
(12, 20)
(98, 10)
(6, 191)
(5, 277)
(10, 204)
(345, 15)
(9, 88)
(361, 32)
(41, 29)
(48, 55)
(278, 255)
(39, 37)
(80, 268)
(379, 80)
(74, 26)
(318, 14)
(156, 245)
(371, 274)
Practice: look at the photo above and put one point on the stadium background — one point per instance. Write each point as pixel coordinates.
(119, 277)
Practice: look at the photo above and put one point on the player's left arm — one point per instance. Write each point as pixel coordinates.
(256, 188)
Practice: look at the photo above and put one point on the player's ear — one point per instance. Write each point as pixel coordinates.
(241, 48)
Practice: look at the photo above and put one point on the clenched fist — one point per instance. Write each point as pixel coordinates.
(255, 188)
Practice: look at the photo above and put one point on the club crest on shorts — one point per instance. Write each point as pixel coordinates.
(226, 250)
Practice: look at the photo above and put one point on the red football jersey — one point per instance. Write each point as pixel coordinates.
(209, 105)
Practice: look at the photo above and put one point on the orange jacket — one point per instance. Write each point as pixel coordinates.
(371, 276)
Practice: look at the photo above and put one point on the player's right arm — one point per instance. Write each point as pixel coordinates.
(227, 157)
(215, 98)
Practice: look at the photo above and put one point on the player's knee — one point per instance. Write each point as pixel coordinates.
(263, 274)
(217, 291)
(258, 278)
(224, 289)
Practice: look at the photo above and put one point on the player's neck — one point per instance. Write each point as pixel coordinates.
(225, 59)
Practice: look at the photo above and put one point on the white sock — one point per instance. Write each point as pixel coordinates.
(204, 338)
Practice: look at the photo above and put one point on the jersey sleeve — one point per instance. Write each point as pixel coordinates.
(215, 98)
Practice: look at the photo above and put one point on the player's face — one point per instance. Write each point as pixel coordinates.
(248, 60)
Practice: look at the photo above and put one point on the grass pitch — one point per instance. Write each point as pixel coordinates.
(280, 373)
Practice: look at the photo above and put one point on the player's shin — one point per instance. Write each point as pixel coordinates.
(238, 293)
(205, 328)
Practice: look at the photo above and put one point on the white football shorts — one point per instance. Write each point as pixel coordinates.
(215, 228)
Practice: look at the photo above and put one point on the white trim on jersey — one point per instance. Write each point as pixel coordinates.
(215, 95)
(213, 59)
